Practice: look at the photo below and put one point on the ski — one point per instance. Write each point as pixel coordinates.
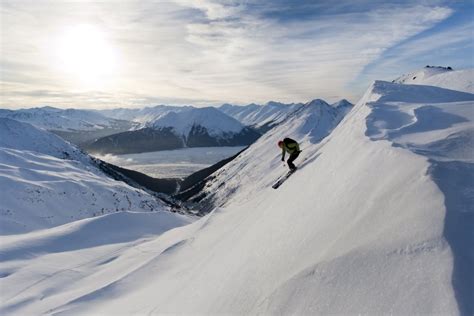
(283, 179)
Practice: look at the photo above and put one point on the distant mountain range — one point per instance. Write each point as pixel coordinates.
(122, 130)
(66, 120)
(76, 126)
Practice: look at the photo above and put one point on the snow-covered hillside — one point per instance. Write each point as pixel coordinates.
(45, 182)
(61, 120)
(444, 77)
(378, 219)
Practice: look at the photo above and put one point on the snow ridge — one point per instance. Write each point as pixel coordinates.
(443, 77)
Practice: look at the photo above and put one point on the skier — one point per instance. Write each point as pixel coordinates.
(291, 146)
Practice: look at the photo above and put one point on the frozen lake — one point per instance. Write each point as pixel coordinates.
(177, 163)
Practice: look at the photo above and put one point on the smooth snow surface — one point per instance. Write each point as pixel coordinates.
(378, 219)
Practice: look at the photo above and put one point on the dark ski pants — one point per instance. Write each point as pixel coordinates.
(292, 158)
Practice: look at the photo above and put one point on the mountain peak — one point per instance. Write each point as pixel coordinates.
(215, 121)
(317, 102)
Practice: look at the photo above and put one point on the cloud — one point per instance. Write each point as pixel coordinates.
(453, 44)
(191, 51)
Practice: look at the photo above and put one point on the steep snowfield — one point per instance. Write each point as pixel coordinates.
(377, 220)
(461, 80)
(310, 124)
(62, 120)
(45, 182)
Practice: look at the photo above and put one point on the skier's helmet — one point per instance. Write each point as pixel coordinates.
(280, 143)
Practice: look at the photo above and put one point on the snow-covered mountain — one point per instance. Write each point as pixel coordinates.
(377, 219)
(343, 106)
(182, 123)
(264, 117)
(445, 77)
(260, 116)
(192, 127)
(74, 125)
(142, 116)
(51, 118)
(45, 182)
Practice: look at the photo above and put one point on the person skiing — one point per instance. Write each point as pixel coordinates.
(291, 147)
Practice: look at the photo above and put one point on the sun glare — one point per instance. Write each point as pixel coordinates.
(84, 53)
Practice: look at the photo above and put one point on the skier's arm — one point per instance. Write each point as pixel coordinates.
(283, 151)
(297, 147)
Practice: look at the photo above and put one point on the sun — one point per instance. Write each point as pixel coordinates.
(84, 53)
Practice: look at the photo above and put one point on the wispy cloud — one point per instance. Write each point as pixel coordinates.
(208, 52)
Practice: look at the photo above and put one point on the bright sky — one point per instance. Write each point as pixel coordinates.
(96, 54)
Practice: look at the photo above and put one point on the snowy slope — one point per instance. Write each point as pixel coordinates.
(62, 120)
(377, 220)
(461, 80)
(45, 182)
(311, 123)
(255, 115)
(23, 136)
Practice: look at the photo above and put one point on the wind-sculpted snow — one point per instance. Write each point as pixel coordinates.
(48, 268)
(89, 233)
(439, 127)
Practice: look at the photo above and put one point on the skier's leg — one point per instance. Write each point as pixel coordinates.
(291, 159)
